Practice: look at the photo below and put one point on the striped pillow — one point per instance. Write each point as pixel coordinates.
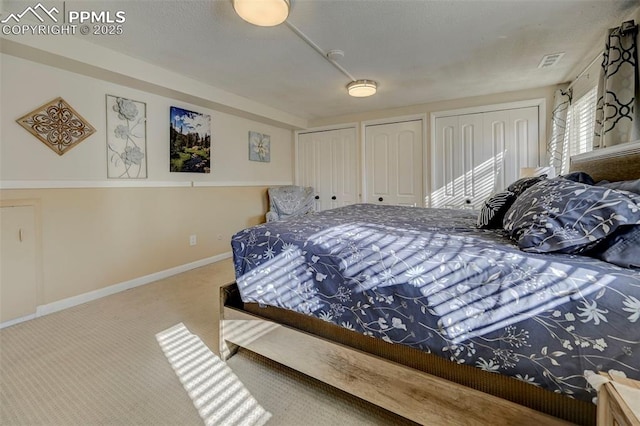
(493, 210)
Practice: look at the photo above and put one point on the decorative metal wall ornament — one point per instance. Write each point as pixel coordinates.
(57, 125)
(126, 138)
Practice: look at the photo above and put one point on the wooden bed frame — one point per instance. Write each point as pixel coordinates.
(418, 386)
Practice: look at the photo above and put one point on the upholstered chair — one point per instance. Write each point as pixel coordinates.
(289, 201)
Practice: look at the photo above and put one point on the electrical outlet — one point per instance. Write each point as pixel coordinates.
(193, 240)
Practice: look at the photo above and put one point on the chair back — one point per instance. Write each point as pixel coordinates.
(291, 200)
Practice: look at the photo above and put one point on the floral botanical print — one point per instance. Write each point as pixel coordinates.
(430, 279)
(259, 147)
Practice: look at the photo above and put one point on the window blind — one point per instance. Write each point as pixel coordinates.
(581, 117)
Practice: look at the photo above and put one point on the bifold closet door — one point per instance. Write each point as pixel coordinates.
(475, 155)
(328, 162)
(394, 163)
(457, 169)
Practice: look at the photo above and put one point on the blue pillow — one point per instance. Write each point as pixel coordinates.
(493, 210)
(621, 248)
(625, 185)
(580, 177)
(559, 215)
(522, 184)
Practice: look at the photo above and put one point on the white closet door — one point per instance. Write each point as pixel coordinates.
(457, 180)
(523, 149)
(475, 155)
(309, 164)
(345, 168)
(328, 162)
(393, 154)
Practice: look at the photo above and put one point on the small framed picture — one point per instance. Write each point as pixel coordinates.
(259, 147)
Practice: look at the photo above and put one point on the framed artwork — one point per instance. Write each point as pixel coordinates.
(57, 125)
(259, 147)
(189, 141)
(126, 138)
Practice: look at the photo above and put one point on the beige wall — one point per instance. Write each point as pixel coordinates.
(27, 85)
(103, 235)
(97, 237)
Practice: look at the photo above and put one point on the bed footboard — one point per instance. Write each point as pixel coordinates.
(411, 393)
(229, 296)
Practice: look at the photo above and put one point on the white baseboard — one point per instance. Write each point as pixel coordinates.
(17, 321)
(112, 289)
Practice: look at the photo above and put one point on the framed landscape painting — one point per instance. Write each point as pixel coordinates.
(189, 141)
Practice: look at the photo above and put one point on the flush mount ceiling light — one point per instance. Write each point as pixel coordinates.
(362, 88)
(264, 13)
(273, 12)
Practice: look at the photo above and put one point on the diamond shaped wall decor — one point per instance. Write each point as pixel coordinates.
(57, 125)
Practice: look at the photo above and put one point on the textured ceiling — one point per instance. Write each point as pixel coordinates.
(418, 50)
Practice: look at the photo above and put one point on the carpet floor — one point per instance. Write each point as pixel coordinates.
(100, 364)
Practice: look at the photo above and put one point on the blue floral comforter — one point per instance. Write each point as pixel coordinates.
(428, 278)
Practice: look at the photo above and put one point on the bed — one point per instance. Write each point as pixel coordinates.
(448, 306)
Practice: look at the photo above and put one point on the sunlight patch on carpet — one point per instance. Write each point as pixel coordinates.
(216, 392)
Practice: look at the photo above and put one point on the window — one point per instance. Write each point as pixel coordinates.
(581, 117)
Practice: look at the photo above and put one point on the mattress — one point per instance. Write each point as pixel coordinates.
(429, 279)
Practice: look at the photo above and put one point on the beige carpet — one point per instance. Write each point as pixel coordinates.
(100, 364)
(217, 393)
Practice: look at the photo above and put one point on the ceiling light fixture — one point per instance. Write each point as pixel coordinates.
(362, 88)
(264, 13)
(357, 88)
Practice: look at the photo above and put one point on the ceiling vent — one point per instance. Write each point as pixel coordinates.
(550, 60)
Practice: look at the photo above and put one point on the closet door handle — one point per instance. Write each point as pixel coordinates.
(333, 198)
(317, 197)
(380, 199)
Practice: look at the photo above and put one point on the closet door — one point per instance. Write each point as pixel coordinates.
(458, 172)
(309, 164)
(476, 155)
(344, 187)
(393, 161)
(513, 140)
(328, 162)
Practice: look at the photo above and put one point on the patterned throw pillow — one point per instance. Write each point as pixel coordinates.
(522, 184)
(559, 215)
(493, 210)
